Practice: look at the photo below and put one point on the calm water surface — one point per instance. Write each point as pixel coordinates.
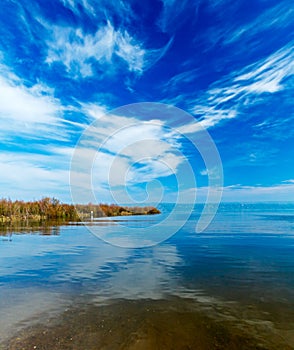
(237, 275)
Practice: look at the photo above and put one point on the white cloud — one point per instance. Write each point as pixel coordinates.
(94, 110)
(26, 104)
(155, 148)
(290, 181)
(125, 137)
(28, 115)
(30, 175)
(154, 168)
(204, 172)
(31, 112)
(121, 151)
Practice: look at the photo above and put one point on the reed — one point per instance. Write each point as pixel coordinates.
(52, 209)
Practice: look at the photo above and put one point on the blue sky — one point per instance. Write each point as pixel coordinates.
(229, 64)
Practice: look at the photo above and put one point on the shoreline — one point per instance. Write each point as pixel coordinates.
(174, 323)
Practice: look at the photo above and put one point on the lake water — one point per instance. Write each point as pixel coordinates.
(229, 287)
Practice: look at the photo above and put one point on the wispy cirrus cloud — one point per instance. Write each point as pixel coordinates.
(229, 97)
(78, 51)
(271, 19)
(266, 76)
(113, 49)
(96, 9)
(76, 5)
(181, 80)
(275, 18)
(169, 19)
(276, 192)
(242, 193)
(275, 129)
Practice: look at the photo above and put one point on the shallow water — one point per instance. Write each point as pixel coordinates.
(230, 287)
